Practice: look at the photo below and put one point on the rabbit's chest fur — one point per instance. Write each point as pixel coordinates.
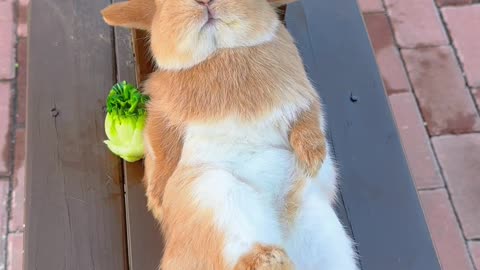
(256, 152)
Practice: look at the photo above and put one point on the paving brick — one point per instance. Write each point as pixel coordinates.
(445, 231)
(18, 191)
(15, 252)
(371, 5)
(459, 157)
(416, 23)
(463, 22)
(5, 107)
(474, 247)
(445, 102)
(453, 2)
(21, 80)
(7, 41)
(22, 11)
(388, 57)
(3, 218)
(415, 141)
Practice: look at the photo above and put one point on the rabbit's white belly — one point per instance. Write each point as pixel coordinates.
(258, 155)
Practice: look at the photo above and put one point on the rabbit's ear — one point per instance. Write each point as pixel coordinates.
(277, 3)
(137, 14)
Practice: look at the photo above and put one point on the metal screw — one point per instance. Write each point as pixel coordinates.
(54, 112)
(353, 98)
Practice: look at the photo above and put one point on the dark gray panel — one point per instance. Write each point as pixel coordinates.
(379, 196)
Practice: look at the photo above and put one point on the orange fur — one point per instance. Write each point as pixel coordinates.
(212, 91)
(170, 35)
(264, 78)
(191, 238)
(308, 140)
(265, 258)
(161, 159)
(134, 13)
(247, 82)
(292, 203)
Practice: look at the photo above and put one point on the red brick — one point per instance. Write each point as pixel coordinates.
(463, 23)
(7, 41)
(22, 11)
(18, 192)
(3, 217)
(415, 141)
(15, 252)
(416, 23)
(445, 102)
(388, 57)
(453, 2)
(5, 106)
(21, 80)
(371, 5)
(474, 247)
(459, 157)
(445, 231)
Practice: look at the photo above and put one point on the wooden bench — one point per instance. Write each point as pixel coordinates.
(86, 209)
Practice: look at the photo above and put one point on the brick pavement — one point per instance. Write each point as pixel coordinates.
(433, 44)
(13, 36)
(429, 58)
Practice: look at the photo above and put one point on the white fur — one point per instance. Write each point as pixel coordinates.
(240, 212)
(318, 239)
(234, 34)
(201, 41)
(326, 180)
(248, 169)
(257, 154)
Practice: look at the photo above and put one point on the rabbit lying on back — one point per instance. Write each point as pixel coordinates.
(237, 166)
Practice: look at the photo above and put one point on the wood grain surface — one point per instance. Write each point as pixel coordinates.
(75, 201)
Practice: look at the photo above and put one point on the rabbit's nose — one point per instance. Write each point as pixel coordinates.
(204, 2)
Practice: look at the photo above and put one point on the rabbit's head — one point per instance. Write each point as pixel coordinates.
(186, 32)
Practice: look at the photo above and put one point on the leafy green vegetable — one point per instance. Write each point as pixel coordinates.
(125, 121)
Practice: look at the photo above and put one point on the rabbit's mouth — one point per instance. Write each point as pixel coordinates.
(210, 23)
(211, 17)
(211, 20)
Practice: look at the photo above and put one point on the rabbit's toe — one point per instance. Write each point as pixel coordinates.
(265, 258)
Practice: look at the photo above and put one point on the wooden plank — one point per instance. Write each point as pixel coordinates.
(380, 199)
(74, 203)
(144, 237)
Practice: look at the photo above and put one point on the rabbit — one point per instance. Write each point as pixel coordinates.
(237, 168)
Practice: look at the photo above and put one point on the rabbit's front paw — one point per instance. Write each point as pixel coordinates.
(310, 153)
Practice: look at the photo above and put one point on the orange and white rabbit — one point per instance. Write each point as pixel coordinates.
(238, 170)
